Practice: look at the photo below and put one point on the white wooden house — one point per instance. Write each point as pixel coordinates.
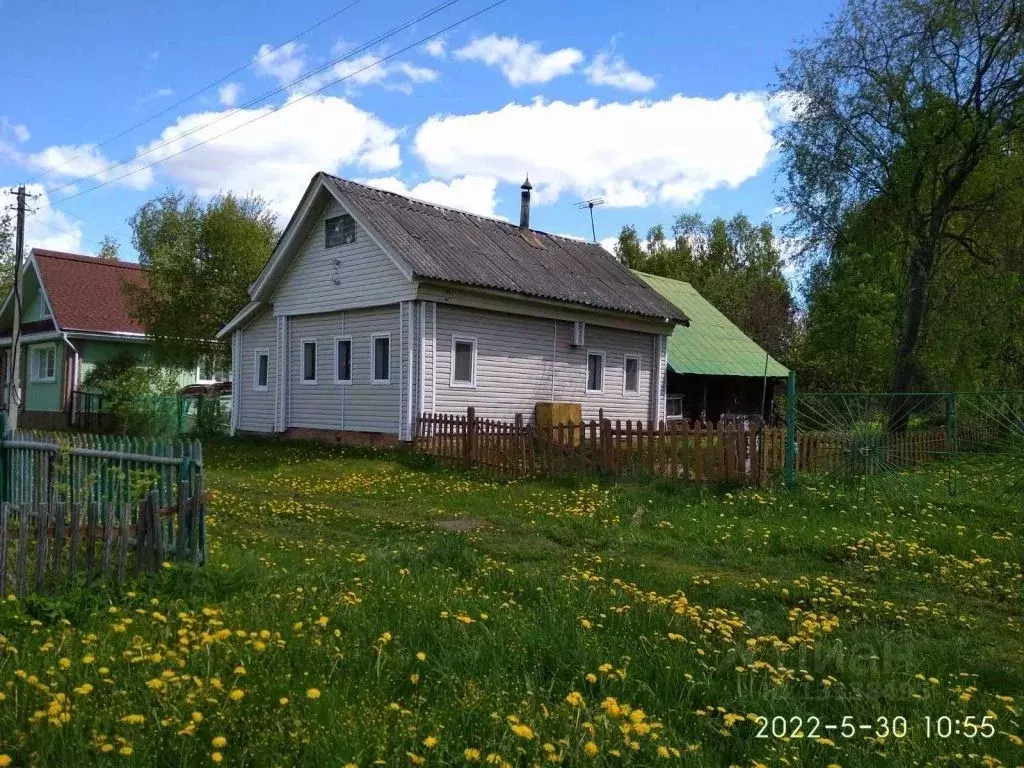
(375, 307)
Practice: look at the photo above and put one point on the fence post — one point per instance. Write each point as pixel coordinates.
(952, 443)
(791, 430)
(469, 444)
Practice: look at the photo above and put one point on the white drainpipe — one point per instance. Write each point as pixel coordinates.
(75, 367)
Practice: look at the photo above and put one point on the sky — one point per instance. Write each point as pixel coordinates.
(658, 107)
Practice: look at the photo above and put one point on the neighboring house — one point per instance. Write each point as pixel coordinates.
(714, 369)
(74, 315)
(376, 307)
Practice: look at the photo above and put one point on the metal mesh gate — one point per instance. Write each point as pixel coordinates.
(955, 444)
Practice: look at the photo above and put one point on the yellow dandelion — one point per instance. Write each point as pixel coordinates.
(216, 757)
(421, 656)
(522, 731)
(5, 760)
(471, 754)
(313, 693)
(237, 694)
(126, 750)
(590, 749)
(575, 698)
(430, 742)
(219, 742)
(283, 701)
(197, 717)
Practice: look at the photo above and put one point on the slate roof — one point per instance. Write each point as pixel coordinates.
(453, 246)
(85, 292)
(712, 345)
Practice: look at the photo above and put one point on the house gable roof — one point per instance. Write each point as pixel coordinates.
(712, 345)
(84, 292)
(449, 245)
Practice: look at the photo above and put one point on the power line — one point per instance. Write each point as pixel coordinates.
(205, 88)
(252, 102)
(333, 82)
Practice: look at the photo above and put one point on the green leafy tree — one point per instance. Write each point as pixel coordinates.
(734, 264)
(202, 260)
(6, 253)
(913, 103)
(109, 248)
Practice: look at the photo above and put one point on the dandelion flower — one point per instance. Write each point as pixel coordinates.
(471, 754)
(313, 693)
(421, 656)
(575, 698)
(219, 742)
(430, 742)
(5, 760)
(283, 701)
(216, 757)
(590, 749)
(126, 750)
(197, 717)
(522, 731)
(237, 694)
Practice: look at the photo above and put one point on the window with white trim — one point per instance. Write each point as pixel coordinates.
(674, 407)
(463, 361)
(595, 373)
(380, 354)
(342, 359)
(339, 230)
(631, 375)
(309, 361)
(43, 366)
(261, 370)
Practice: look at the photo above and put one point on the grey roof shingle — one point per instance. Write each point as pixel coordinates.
(454, 246)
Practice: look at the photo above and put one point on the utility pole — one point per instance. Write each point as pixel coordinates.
(13, 369)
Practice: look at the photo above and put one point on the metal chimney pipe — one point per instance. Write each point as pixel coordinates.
(524, 205)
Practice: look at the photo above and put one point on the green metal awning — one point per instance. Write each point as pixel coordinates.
(711, 345)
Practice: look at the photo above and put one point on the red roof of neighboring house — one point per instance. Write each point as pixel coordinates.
(85, 292)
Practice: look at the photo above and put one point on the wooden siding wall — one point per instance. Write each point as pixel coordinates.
(359, 406)
(256, 409)
(522, 361)
(355, 275)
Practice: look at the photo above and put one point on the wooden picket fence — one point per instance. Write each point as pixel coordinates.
(731, 451)
(80, 508)
(740, 452)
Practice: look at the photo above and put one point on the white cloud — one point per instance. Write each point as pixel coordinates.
(70, 161)
(632, 154)
(17, 130)
(284, 63)
(277, 155)
(520, 62)
(159, 93)
(229, 93)
(609, 69)
(49, 227)
(475, 194)
(437, 48)
(370, 69)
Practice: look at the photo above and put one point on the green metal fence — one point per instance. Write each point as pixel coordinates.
(953, 444)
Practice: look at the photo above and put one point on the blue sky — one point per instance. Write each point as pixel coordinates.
(659, 107)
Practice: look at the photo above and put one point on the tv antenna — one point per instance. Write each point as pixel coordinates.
(590, 204)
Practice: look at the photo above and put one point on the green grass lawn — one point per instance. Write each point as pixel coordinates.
(358, 609)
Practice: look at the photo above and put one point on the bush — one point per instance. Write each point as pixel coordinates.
(142, 398)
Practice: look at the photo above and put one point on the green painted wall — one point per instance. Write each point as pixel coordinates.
(33, 302)
(95, 352)
(39, 395)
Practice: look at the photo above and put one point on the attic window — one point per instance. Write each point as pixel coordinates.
(339, 230)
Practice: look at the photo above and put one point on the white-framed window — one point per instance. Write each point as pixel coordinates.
(674, 407)
(595, 373)
(207, 371)
(463, 361)
(339, 230)
(261, 370)
(380, 358)
(43, 365)
(308, 347)
(342, 359)
(631, 375)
